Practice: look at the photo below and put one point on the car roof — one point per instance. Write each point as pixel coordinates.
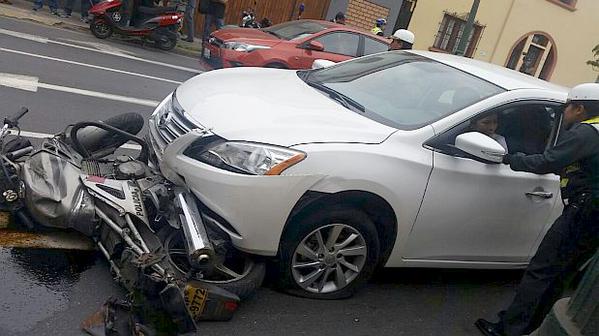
(498, 75)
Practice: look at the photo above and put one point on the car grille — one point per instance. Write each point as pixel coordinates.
(166, 128)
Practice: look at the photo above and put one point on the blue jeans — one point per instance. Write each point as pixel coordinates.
(51, 3)
(208, 20)
(190, 10)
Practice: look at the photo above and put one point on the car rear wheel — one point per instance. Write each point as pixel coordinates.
(329, 254)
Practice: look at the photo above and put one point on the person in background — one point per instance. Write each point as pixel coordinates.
(574, 236)
(85, 6)
(402, 39)
(379, 26)
(38, 4)
(339, 18)
(190, 10)
(215, 15)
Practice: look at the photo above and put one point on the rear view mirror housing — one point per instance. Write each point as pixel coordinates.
(314, 45)
(321, 64)
(480, 146)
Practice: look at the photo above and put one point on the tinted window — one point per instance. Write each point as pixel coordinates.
(402, 89)
(372, 46)
(340, 43)
(293, 29)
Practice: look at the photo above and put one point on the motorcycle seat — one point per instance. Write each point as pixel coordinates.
(156, 10)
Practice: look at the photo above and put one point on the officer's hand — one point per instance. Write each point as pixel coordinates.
(506, 159)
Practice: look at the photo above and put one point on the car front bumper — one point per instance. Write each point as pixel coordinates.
(251, 209)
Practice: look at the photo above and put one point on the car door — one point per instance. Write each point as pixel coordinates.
(338, 47)
(484, 212)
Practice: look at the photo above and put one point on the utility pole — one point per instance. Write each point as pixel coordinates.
(467, 29)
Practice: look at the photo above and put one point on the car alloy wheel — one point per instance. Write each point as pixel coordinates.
(329, 258)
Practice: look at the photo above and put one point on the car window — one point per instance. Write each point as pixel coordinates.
(340, 43)
(523, 127)
(404, 90)
(294, 29)
(372, 46)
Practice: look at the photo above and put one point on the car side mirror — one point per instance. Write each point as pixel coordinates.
(315, 45)
(321, 64)
(480, 146)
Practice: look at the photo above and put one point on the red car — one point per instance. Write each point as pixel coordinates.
(289, 45)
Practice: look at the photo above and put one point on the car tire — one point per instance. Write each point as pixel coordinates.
(330, 267)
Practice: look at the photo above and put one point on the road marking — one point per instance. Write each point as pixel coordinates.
(39, 135)
(29, 83)
(89, 65)
(44, 40)
(24, 36)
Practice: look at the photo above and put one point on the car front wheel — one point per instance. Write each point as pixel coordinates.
(329, 254)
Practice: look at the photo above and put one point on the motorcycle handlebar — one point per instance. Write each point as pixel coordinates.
(14, 120)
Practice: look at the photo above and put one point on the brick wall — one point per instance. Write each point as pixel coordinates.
(363, 14)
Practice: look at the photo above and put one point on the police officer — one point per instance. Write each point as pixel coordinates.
(574, 236)
(402, 39)
(379, 26)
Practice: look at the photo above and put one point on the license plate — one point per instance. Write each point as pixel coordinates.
(195, 299)
(206, 53)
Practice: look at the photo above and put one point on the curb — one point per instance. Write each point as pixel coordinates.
(24, 15)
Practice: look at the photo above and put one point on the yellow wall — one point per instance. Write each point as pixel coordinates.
(575, 32)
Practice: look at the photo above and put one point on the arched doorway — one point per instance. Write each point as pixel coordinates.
(534, 54)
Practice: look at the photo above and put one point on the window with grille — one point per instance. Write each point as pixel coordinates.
(450, 33)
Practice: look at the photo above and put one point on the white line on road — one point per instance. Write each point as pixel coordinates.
(30, 83)
(89, 65)
(38, 135)
(119, 54)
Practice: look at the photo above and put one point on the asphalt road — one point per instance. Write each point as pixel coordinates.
(47, 292)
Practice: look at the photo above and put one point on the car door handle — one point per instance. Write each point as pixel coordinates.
(541, 194)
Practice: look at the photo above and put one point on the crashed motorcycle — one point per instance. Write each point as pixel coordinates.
(149, 230)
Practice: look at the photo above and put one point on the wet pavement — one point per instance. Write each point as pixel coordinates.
(49, 292)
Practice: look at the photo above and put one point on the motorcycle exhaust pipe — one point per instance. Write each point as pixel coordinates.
(199, 249)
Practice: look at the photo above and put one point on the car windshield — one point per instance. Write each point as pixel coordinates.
(294, 29)
(400, 89)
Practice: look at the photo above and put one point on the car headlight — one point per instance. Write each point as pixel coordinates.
(246, 157)
(244, 47)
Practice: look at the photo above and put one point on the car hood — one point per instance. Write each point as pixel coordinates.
(272, 106)
(249, 35)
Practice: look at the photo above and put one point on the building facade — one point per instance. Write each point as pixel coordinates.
(548, 39)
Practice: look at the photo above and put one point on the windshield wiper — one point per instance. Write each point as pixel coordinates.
(338, 97)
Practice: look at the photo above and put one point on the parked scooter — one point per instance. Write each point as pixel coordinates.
(158, 24)
(157, 243)
(248, 20)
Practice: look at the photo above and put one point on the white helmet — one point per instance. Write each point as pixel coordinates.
(404, 35)
(586, 91)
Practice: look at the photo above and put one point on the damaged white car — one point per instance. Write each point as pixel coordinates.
(370, 162)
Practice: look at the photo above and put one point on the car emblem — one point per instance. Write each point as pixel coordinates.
(212, 40)
(165, 118)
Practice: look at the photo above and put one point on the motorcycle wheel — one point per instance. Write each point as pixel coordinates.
(100, 29)
(239, 274)
(166, 43)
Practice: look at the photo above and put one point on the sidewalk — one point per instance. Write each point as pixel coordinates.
(21, 10)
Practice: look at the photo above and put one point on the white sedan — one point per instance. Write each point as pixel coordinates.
(366, 163)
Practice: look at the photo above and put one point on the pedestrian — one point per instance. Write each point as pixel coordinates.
(379, 26)
(402, 39)
(52, 4)
(215, 15)
(339, 18)
(85, 6)
(190, 10)
(574, 236)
